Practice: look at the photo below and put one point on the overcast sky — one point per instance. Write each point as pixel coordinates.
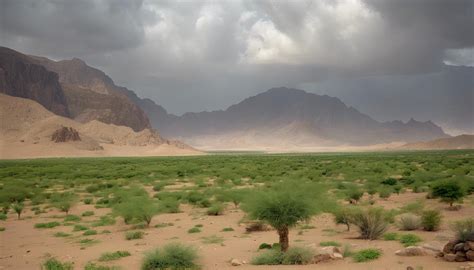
(207, 55)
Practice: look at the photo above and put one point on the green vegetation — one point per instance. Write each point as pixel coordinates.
(409, 222)
(111, 256)
(18, 208)
(464, 229)
(54, 264)
(87, 213)
(47, 225)
(330, 244)
(431, 220)
(134, 205)
(371, 223)
(366, 255)
(390, 236)
(293, 256)
(409, 239)
(194, 230)
(134, 235)
(93, 266)
(172, 256)
(448, 191)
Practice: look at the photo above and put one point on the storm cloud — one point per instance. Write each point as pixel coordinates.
(207, 55)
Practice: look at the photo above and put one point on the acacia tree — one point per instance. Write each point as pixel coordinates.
(449, 192)
(282, 209)
(64, 201)
(139, 208)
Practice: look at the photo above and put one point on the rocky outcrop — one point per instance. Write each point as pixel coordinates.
(458, 251)
(65, 134)
(22, 77)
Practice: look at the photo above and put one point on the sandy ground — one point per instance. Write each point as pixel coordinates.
(24, 247)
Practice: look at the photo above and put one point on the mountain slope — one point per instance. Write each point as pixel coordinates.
(22, 77)
(458, 142)
(26, 130)
(282, 116)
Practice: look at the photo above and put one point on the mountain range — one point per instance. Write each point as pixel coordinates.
(279, 118)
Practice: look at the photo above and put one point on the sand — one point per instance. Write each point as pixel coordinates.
(24, 247)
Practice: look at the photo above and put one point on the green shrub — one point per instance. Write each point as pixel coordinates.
(409, 239)
(54, 264)
(159, 186)
(431, 220)
(216, 209)
(172, 256)
(136, 208)
(344, 215)
(330, 244)
(228, 229)
(2, 229)
(47, 225)
(365, 255)
(293, 256)
(213, 239)
(93, 266)
(354, 194)
(194, 230)
(134, 235)
(264, 246)
(110, 256)
(409, 222)
(62, 234)
(413, 207)
(448, 191)
(88, 200)
(270, 257)
(389, 182)
(88, 213)
(390, 236)
(64, 201)
(385, 193)
(169, 205)
(103, 221)
(464, 229)
(18, 208)
(79, 227)
(72, 218)
(3, 216)
(90, 232)
(371, 223)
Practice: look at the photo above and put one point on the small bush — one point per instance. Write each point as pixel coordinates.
(213, 239)
(194, 230)
(431, 220)
(79, 227)
(409, 239)
(3, 216)
(2, 229)
(464, 229)
(110, 256)
(265, 246)
(385, 193)
(93, 266)
(448, 191)
(390, 236)
(172, 256)
(330, 244)
(371, 223)
(409, 222)
(90, 232)
(216, 209)
(169, 205)
(270, 257)
(354, 194)
(61, 234)
(72, 218)
(54, 264)
(88, 213)
(366, 255)
(293, 256)
(134, 235)
(344, 216)
(228, 229)
(88, 200)
(47, 225)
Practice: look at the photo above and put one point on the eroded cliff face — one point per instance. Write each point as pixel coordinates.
(22, 77)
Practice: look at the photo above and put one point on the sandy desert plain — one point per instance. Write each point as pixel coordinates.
(113, 213)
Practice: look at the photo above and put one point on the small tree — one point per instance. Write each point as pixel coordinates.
(282, 209)
(449, 192)
(64, 201)
(18, 208)
(344, 215)
(139, 208)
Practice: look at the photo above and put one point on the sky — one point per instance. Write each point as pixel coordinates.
(391, 59)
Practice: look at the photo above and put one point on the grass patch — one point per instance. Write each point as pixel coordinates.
(89, 232)
(47, 225)
(194, 230)
(390, 236)
(366, 255)
(79, 227)
(134, 235)
(228, 229)
(163, 225)
(111, 256)
(409, 239)
(213, 239)
(171, 256)
(88, 213)
(293, 256)
(61, 234)
(72, 218)
(54, 264)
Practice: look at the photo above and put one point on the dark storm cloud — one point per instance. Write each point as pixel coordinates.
(205, 55)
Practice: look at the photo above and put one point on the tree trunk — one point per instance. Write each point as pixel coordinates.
(283, 234)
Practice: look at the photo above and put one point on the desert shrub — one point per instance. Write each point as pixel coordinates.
(344, 215)
(172, 256)
(62, 234)
(88, 200)
(134, 235)
(408, 222)
(409, 239)
(431, 220)
(385, 193)
(87, 213)
(89, 232)
(93, 266)
(389, 182)
(169, 205)
(216, 209)
(47, 225)
(390, 236)
(330, 244)
(136, 208)
(270, 257)
(448, 191)
(297, 256)
(194, 230)
(79, 227)
(371, 223)
(464, 229)
(54, 264)
(354, 194)
(413, 207)
(159, 186)
(213, 239)
(2, 229)
(3, 216)
(64, 201)
(103, 221)
(265, 246)
(365, 255)
(228, 229)
(72, 218)
(110, 256)
(18, 208)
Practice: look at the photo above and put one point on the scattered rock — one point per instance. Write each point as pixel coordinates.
(318, 258)
(333, 252)
(410, 268)
(235, 262)
(459, 247)
(65, 134)
(437, 248)
(411, 251)
(470, 255)
(449, 257)
(450, 246)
